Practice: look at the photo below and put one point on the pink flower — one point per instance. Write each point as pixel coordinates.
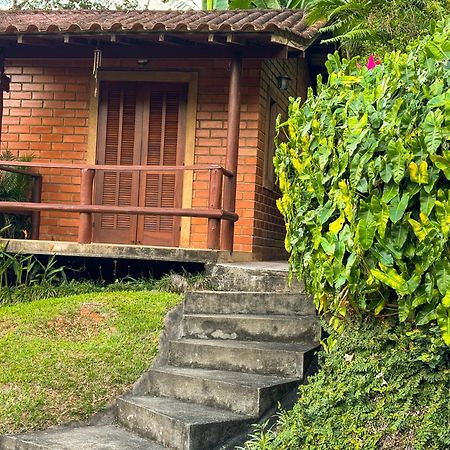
(371, 63)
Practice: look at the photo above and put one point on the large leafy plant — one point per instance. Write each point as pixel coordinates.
(364, 174)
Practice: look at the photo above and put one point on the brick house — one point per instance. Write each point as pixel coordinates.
(153, 128)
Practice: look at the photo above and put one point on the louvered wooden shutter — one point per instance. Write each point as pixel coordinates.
(164, 141)
(121, 146)
(140, 124)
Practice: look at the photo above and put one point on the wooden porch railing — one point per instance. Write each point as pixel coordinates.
(36, 195)
(214, 213)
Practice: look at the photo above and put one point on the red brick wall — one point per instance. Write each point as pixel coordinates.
(46, 115)
(269, 229)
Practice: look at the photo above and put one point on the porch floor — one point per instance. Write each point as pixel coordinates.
(122, 251)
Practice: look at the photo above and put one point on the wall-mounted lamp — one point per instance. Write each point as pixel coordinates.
(283, 82)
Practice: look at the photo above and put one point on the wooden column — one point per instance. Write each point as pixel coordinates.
(231, 164)
(86, 188)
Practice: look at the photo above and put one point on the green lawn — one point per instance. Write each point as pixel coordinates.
(64, 358)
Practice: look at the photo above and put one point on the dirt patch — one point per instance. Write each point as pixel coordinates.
(7, 326)
(8, 388)
(398, 440)
(87, 322)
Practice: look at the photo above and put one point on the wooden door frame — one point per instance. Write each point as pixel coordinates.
(191, 79)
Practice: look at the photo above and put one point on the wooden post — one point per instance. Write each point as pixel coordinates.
(86, 188)
(215, 202)
(231, 164)
(36, 197)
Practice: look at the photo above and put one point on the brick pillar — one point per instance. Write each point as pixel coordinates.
(4, 87)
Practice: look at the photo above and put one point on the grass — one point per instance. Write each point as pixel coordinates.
(169, 283)
(62, 359)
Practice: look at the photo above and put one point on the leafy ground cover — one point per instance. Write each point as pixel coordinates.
(381, 387)
(64, 358)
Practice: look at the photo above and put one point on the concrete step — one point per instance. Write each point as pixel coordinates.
(252, 327)
(179, 425)
(270, 276)
(105, 437)
(265, 358)
(242, 393)
(220, 302)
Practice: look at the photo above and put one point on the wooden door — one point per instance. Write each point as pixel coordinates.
(163, 145)
(140, 124)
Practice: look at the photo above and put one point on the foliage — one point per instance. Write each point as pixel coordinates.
(14, 187)
(18, 271)
(173, 283)
(271, 4)
(376, 26)
(382, 387)
(64, 359)
(214, 4)
(365, 174)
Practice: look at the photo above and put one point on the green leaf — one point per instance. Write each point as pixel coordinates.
(380, 212)
(396, 154)
(443, 212)
(380, 306)
(427, 202)
(443, 275)
(382, 256)
(443, 319)
(446, 299)
(421, 297)
(398, 207)
(390, 191)
(326, 211)
(426, 315)
(443, 164)
(440, 100)
(328, 247)
(391, 278)
(240, 4)
(432, 128)
(413, 283)
(365, 233)
(386, 173)
(404, 309)
(419, 230)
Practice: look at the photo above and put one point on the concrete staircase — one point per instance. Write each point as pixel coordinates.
(232, 355)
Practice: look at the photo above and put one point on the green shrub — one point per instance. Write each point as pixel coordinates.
(381, 387)
(365, 175)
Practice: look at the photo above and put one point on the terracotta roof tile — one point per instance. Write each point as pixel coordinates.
(290, 23)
